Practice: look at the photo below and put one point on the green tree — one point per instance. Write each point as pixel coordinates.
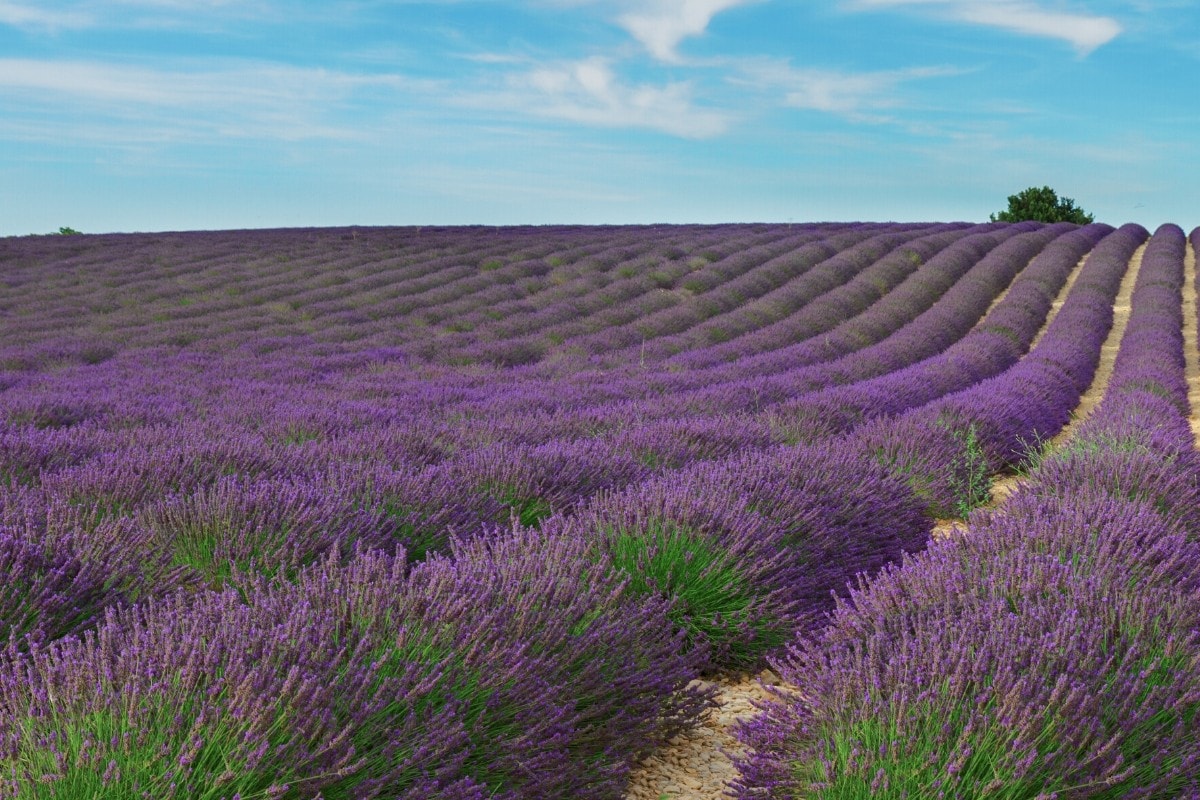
(1042, 205)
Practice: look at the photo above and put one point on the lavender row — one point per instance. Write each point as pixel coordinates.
(198, 314)
(736, 389)
(523, 392)
(753, 546)
(1052, 650)
(637, 291)
(848, 278)
(1138, 440)
(955, 301)
(755, 349)
(162, 517)
(530, 481)
(522, 668)
(949, 449)
(726, 388)
(681, 297)
(83, 274)
(555, 651)
(992, 346)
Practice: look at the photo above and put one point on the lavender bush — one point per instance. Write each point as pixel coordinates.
(726, 571)
(1050, 653)
(272, 527)
(63, 567)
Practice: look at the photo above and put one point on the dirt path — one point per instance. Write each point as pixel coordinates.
(1004, 486)
(695, 766)
(1108, 351)
(1057, 305)
(1191, 354)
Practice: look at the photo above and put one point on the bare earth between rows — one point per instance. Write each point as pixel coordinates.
(697, 765)
(1191, 343)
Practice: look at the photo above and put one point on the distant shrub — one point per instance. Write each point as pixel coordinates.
(1041, 205)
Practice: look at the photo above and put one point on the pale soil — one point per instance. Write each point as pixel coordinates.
(697, 765)
(1057, 305)
(1191, 354)
(1108, 351)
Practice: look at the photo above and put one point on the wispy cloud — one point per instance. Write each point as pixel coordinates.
(55, 16)
(23, 15)
(660, 25)
(589, 92)
(1085, 32)
(857, 96)
(261, 100)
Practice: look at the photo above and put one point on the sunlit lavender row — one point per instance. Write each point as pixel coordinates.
(463, 512)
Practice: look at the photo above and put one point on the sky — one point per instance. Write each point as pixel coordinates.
(151, 115)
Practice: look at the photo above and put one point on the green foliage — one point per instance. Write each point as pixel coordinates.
(120, 753)
(65, 231)
(418, 529)
(1042, 205)
(970, 476)
(526, 509)
(660, 279)
(713, 604)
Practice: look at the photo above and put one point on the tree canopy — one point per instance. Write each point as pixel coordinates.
(1042, 205)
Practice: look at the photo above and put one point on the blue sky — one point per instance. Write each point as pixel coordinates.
(138, 115)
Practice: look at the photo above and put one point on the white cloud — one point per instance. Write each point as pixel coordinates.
(859, 96)
(21, 15)
(238, 98)
(1085, 32)
(660, 25)
(589, 92)
(54, 16)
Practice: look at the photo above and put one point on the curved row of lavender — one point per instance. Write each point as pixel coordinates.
(947, 449)
(263, 481)
(995, 344)
(1051, 651)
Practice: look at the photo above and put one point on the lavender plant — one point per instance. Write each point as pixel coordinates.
(541, 673)
(265, 526)
(63, 567)
(186, 698)
(732, 590)
(1051, 652)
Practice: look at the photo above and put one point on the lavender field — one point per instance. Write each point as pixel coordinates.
(467, 512)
